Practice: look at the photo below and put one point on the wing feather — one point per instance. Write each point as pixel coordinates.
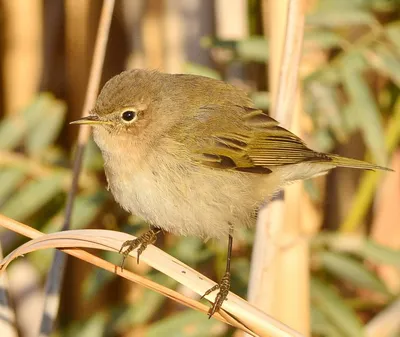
(244, 139)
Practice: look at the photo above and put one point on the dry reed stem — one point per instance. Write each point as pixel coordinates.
(56, 272)
(77, 16)
(237, 311)
(174, 57)
(236, 24)
(153, 47)
(7, 313)
(279, 257)
(21, 52)
(97, 66)
(386, 323)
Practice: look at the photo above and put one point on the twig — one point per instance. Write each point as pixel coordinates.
(56, 273)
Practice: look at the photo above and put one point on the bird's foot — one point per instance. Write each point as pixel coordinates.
(140, 242)
(223, 287)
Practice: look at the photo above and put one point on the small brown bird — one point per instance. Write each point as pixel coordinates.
(193, 156)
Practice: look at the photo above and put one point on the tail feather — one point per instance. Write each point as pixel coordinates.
(354, 163)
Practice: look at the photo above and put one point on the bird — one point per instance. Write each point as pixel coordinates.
(192, 155)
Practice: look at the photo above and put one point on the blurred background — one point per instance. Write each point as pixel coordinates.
(350, 92)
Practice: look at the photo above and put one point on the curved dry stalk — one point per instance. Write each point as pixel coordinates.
(238, 312)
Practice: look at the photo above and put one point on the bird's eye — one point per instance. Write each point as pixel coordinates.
(128, 116)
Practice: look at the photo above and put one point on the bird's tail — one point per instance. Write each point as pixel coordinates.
(354, 163)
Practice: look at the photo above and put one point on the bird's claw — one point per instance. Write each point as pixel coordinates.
(223, 287)
(141, 243)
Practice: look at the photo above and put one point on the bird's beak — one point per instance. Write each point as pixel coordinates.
(92, 119)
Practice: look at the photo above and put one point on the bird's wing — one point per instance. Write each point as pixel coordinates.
(244, 139)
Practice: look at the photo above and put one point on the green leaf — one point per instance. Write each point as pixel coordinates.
(99, 278)
(323, 39)
(92, 158)
(32, 196)
(384, 5)
(261, 99)
(328, 110)
(350, 117)
(352, 271)
(13, 128)
(321, 325)
(189, 323)
(393, 33)
(41, 260)
(336, 5)
(86, 208)
(94, 326)
(385, 62)
(197, 69)
(254, 49)
(146, 306)
(380, 254)
(324, 140)
(336, 18)
(312, 189)
(10, 179)
(44, 133)
(190, 250)
(366, 111)
(325, 299)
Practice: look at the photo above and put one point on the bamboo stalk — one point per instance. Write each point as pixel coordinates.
(22, 52)
(279, 254)
(133, 13)
(152, 35)
(76, 53)
(234, 25)
(173, 37)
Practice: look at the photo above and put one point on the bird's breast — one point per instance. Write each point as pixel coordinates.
(183, 197)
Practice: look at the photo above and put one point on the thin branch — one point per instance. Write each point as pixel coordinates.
(56, 273)
(90, 100)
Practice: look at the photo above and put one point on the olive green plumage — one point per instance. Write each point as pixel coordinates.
(196, 156)
(193, 156)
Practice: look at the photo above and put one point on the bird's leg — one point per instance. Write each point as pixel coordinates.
(141, 242)
(225, 283)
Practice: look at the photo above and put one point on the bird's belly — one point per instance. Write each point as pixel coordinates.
(186, 200)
